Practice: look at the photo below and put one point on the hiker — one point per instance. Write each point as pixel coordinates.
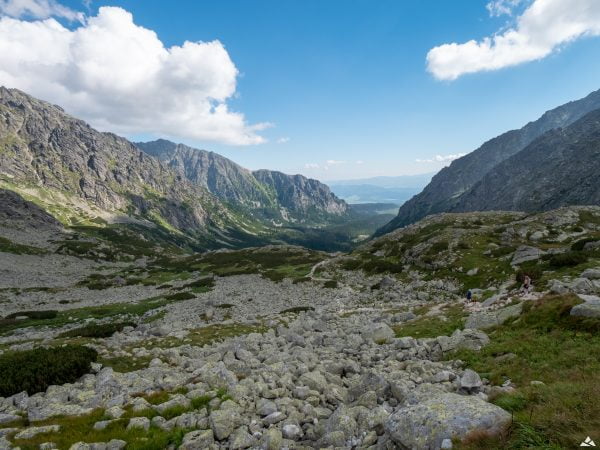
(526, 284)
(469, 295)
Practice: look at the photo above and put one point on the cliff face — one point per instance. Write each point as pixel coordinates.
(58, 159)
(560, 168)
(267, 194)
(442, 193)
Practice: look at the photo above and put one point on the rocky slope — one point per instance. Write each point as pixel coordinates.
(282, 347)
(267, 194)
(442, 193)
(560, 168)
(77, 172)
(300, 196)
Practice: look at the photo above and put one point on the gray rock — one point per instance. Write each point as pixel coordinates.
(47, 410)
(428, 424)
(446, 444)
(177, 401)
(199, 439)
(224, 422)
(291, 431)
(7, 418)
(591, 274)
(526, 253)
(30, 432)
(241, 439)
(101, 425)
(139, 422)
(470, 381)
(272, 439)
(265, 407)
(379, 333)
(589, 308)
(487, 319)
(314, 380)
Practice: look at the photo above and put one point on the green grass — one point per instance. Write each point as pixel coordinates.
(124, 364)
(97, 330)
(96, 312)
(207, 335)
(550, 346)
(272, 263)
(434, 326)
(80, 429)
(8, 246)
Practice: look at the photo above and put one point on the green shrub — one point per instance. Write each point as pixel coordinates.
(578, 245)
(38, 315)
(34, 370)
(206, 282)
(301, 280)
(438, 247)
(97, 330)
(501, 251)
(567, 259)
(180, 296)
(297, 309)
(332, 284)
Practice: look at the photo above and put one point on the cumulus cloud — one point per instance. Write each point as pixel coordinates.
(283, 140)
(541, 29)
(120, 77)
(334, 162)
(441, 158)
(311, 166)
(498, 8)
(38, 9)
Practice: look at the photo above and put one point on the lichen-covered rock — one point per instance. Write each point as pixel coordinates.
(379, 333)
(224, 422)
(487, 319)
(589, 308)
(30, 432)
(197, 440)
(526, 253)
(424, 426)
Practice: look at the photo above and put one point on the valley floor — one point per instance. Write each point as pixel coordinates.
(281, 347)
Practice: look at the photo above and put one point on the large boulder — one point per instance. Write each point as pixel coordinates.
(487, 319)
(526, 253)
(468, 338)
(379, 333)
(589, 308)
(426, 425)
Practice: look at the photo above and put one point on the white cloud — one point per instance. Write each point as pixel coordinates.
(120, 77)
(498, 8)
(334, 162)
(441, 158)
(360, 162)
(283, 140)
(311, 166)
(38, 9)
(542, 28)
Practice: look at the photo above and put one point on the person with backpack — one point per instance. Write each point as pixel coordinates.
(526, 284)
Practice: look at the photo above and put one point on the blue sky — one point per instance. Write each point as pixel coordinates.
(346, 81)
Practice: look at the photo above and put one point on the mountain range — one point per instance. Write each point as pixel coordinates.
(532, 169)
(82, 176)
(266, 194)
